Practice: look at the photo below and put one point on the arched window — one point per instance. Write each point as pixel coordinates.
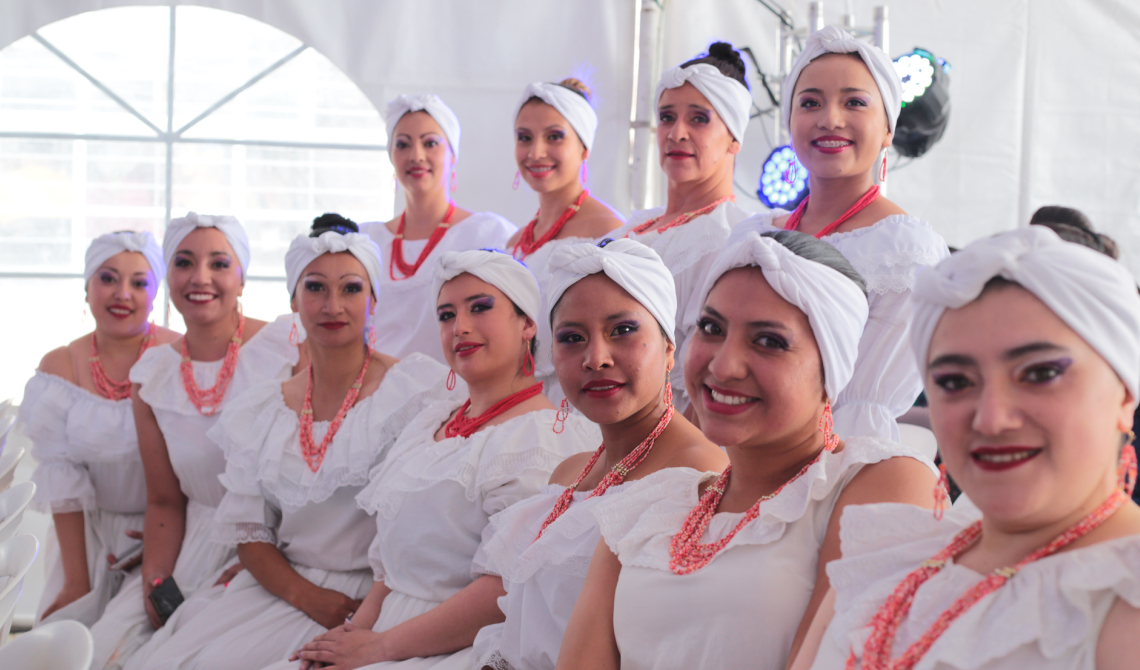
(124, 118)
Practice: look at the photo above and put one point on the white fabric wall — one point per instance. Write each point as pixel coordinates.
(1045, 100)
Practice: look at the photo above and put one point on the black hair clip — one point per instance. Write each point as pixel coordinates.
(603, 243)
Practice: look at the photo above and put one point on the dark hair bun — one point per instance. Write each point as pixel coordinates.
(333, 222)
(726, 59)
(578, 86)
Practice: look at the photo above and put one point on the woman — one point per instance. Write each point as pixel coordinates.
(423, 143)
(737, 560)
(542, 546)
(554, 132)
(457, 463)
(1030, 352)
(77, 413)
(702, 112)
(177, 394)
(841, 116)
(290, 499)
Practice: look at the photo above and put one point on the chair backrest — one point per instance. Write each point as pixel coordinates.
(16, 556)
(9, 459)
(5, 405)
(63, 645)
(13, 502)
(919, 438)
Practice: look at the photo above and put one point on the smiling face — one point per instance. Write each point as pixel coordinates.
(205, 278)
(753, 367)
(420, 153)
(693, 143)
(610, 355)
(121, 294)
(1027, 415)
(334, 299)
(483, 337)
(548, 151)
(838, 122)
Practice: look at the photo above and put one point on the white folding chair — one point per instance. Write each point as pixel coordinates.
(5, 428)
(16, 556)
(63, 645)
(13, 502)
(919, 438)
(9, 459)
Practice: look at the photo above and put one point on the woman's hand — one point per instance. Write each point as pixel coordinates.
(148, 585)
(229, 574)
(67, 595)
(328, 608)
(134, 562)
(343, 648)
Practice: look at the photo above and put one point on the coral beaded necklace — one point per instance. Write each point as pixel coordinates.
(398, 245)
(527, 245)
(461, 426)
(208, 401)
(315, 454)
(862, 203)
(680, 220)
(107, 387)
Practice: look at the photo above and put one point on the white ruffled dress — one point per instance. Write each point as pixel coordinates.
(432, 501)
(889, 256)
(406, 322)
(272, 496)
(197, 461)
(542, 577)
(742, 609)
(88, 461)
(688, 251)
(1048, 617)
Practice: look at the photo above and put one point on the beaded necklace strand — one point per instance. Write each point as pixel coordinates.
(461, 426)
(527, 245)
(862, 203)
(398, 245)
(886, 622)
(315, 454)
(107, 387)
(209, 400)
(680, 220)
(615, 476)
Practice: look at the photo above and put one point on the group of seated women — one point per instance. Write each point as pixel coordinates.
(668, 442)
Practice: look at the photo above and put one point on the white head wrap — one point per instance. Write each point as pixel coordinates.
(632, 265)
(573, 107)
(304, 250)
(431, 104)
(834, 305)
(230, 227)
(1087, 290)
(106, 246)
(835, 41)
(729, 97)
(498, 269)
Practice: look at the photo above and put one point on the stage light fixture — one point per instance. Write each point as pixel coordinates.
(784, 180)
(925, 102)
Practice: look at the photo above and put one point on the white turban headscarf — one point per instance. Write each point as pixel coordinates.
(497, 268)
(835, 41)
(1087, 290)
(729, 97)
(106, 246)
(573, 107)
(631, 265)
(835, 306)
(304, 250)
(447, 120)
(230, 227)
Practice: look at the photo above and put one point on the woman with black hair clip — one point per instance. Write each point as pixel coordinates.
(703, 108)
(297, 453)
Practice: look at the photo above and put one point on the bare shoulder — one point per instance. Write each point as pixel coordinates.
(252, 328)
(887, 208)
(899, 479)
(293, 390)
(58, 361)
(569, 469)
(703, 457)
(515, 238)
(459, 215)
(593, 220)
(164, 335)
(1118, 646)
(378, 370)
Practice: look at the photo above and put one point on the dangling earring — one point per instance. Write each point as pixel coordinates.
(515, 185)
(585, 173)
(454, 181)
(451, 380)
(827, 427)
(371, 336)
(528, 363)
(941, 493)
(84, 322)
(668, 393)
(561, 416)
(294, 336)
(1126, 470)
(883, 169)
